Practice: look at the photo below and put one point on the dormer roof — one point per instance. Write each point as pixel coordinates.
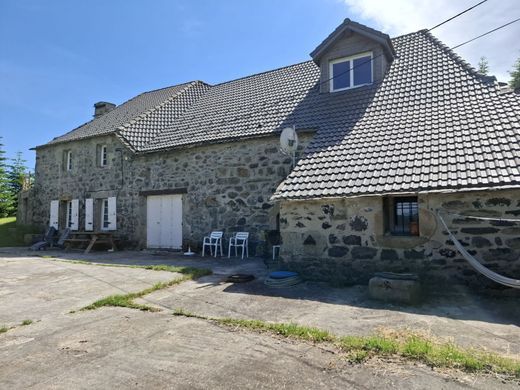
(358, 28)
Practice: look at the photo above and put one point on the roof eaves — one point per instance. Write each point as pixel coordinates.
(221, 141)
(279, 196)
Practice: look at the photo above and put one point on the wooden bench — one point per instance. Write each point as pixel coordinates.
(91, 239)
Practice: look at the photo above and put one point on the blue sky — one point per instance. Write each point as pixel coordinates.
(59, 57)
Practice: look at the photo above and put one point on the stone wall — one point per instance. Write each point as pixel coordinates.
(227, 186)
(344, 240)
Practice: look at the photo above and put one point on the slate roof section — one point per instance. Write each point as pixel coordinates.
(252, 106)
(143, 129)
(126, 114)
(431, 124)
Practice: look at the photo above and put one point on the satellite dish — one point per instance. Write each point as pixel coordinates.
(289, 142)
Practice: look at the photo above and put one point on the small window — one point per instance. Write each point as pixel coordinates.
(402, 216)
(68, 163)
(351, 72)
(105, 223)
(68, 220)
(103, 156)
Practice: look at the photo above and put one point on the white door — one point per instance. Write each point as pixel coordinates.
(53, 220)
(74, 219)
(112, 213)
(164, 221)
(89, 214)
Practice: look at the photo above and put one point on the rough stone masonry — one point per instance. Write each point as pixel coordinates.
(344, 240)
(227, 186)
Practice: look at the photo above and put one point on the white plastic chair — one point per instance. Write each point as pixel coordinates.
(214, 240)
(240, 239)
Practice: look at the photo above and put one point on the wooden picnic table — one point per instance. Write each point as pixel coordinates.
(90, 238)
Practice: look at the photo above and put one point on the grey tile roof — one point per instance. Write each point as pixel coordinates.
(143, 129)
(130, 113)
(252, 106)
(431, 124)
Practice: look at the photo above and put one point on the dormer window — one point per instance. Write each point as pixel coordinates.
(351, 72)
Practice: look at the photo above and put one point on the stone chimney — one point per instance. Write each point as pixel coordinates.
(101, 108)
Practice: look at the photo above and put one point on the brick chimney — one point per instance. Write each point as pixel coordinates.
(101, 108)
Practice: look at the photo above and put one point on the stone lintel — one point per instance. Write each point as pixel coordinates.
(169, 191)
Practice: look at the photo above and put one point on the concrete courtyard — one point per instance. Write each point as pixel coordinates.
(126, 348)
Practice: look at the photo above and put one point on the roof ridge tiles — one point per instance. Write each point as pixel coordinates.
(260, 73)
(171, 98)
(63, 138)
(174, 85)
(155, 108)
(487, 80)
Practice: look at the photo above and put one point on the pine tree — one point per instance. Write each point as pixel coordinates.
(515, 75)
(15, 177)
(483, 66)
(6, 201)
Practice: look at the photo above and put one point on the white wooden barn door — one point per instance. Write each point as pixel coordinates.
(164, 221)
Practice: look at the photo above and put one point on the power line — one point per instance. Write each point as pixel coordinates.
(456, 16)
(372, 59)
(379, 55)
(486, 33)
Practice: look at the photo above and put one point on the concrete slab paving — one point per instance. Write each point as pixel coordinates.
(121, 348)
(36, 288)
(468, 320)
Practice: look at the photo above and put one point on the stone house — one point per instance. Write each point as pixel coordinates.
(391, 131)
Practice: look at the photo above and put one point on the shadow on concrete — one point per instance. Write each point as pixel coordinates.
(456, 302)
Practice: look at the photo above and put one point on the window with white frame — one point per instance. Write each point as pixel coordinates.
(68, 162)
(103, 156)
(68, 219)
(105, 222)
(351, 72)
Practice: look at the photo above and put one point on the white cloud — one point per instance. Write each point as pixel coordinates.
(396, 17)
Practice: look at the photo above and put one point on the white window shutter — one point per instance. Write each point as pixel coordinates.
(112, 216)
(89, 214)
(53, 220)
(75, 214)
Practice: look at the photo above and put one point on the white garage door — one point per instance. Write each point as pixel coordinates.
(164, 221)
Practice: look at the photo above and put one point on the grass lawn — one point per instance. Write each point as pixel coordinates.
(11, 234)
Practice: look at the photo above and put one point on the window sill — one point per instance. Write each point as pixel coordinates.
(349, 88)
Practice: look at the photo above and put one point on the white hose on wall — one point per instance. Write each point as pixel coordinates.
(504, 280)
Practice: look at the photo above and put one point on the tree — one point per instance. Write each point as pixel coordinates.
(15, 176)
(515, 75)
(483, 66)
(6, 200)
